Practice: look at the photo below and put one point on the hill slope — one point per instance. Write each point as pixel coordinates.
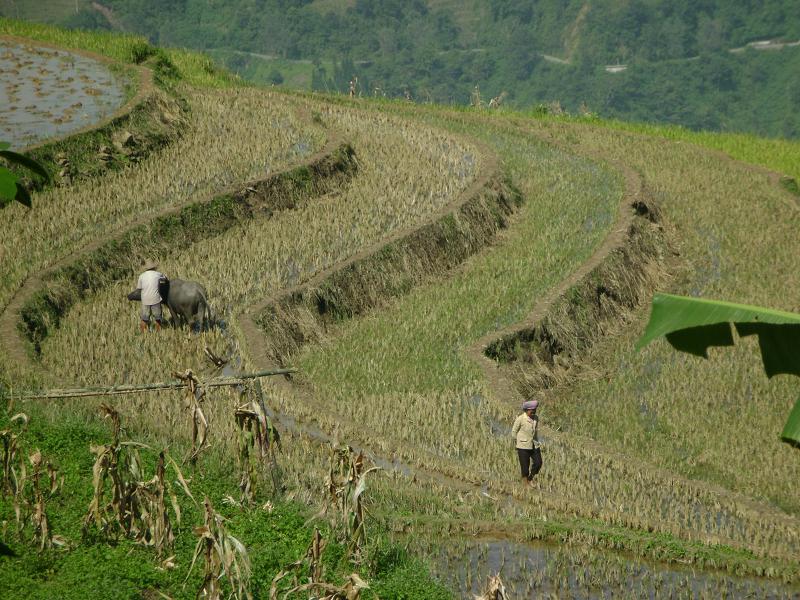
(382, 280)
(681, 58)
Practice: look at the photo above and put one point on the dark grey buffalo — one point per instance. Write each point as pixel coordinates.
(187, 302)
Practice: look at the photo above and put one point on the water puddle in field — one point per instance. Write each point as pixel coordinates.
(47, 93)
(540, 570)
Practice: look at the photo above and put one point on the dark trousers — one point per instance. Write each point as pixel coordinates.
(530, 461)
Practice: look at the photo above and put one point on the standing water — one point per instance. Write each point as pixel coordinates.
(539, 570)
(47, 93)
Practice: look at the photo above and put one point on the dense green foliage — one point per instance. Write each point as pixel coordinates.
(680, 65)
(275, 535)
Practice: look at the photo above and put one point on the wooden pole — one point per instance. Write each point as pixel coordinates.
(145, 387)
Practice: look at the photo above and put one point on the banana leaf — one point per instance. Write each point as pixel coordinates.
(694, 325)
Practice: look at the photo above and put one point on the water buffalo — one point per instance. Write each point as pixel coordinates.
(187, 302)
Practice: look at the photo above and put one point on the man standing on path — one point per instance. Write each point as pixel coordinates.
(525, 432)
(151, 298)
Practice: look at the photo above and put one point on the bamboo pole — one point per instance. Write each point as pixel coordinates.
(145, 387)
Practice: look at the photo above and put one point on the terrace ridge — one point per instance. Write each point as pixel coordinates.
(274, 192)
(396, 251)
(633, 206)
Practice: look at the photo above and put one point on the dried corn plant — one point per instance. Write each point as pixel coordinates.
(10, 483)
(345, 486)
(120, 463)
(154, 527)
(194, 396)
(224, 556)
(309, 568)
(258, 439)
(29, 491)
(44, 484)
(132, 507)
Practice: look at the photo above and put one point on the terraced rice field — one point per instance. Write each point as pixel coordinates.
(228, 138)
(51, 93)
(665, 457)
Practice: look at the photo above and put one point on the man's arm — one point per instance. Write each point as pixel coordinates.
(515, 428)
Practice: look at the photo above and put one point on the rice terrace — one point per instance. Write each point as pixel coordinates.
(387, 281)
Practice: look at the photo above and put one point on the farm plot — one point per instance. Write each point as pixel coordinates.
(51, 92)
(411, 357)
(715, 420)
(405, 172)
(230, 137)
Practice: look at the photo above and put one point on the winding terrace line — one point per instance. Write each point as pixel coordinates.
(255, 338)
(615, 240)
(14, 345)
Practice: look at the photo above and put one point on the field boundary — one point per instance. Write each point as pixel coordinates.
(293, 317)
(633, 208)
(497, 346)
(96, 265)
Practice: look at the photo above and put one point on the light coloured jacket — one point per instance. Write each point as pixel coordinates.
(524, 431)
(148, 283)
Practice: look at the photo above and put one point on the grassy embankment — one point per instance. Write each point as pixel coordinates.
(351, 371)
(65, 571)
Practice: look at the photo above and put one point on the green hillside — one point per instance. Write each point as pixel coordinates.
(422, 269)
(688, 63)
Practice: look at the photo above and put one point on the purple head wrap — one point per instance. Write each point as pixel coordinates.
(530, 404)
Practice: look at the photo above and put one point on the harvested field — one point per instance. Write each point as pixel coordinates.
(450, 264)
(247, 262)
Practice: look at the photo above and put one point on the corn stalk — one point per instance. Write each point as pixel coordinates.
(136, 508)
(10, 484)
(194, 396)
(155, 526)
(119, 463)
(223, 556)
(30, 506)
(346, 483)
(257, 441)
(42, 534)
(310, 568)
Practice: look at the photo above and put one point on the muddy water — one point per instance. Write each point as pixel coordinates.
(47, 93)
(547, 571)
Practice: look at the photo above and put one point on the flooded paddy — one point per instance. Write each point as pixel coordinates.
(47, 93)
(539, 570)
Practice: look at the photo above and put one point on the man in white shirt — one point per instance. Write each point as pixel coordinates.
(151, 297)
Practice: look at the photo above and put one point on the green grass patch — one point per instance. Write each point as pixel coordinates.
(94, 567)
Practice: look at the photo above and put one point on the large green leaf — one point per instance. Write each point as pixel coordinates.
(8, 184)
(695, 324)
(791, 431)
(28, 163)
(10, 188)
